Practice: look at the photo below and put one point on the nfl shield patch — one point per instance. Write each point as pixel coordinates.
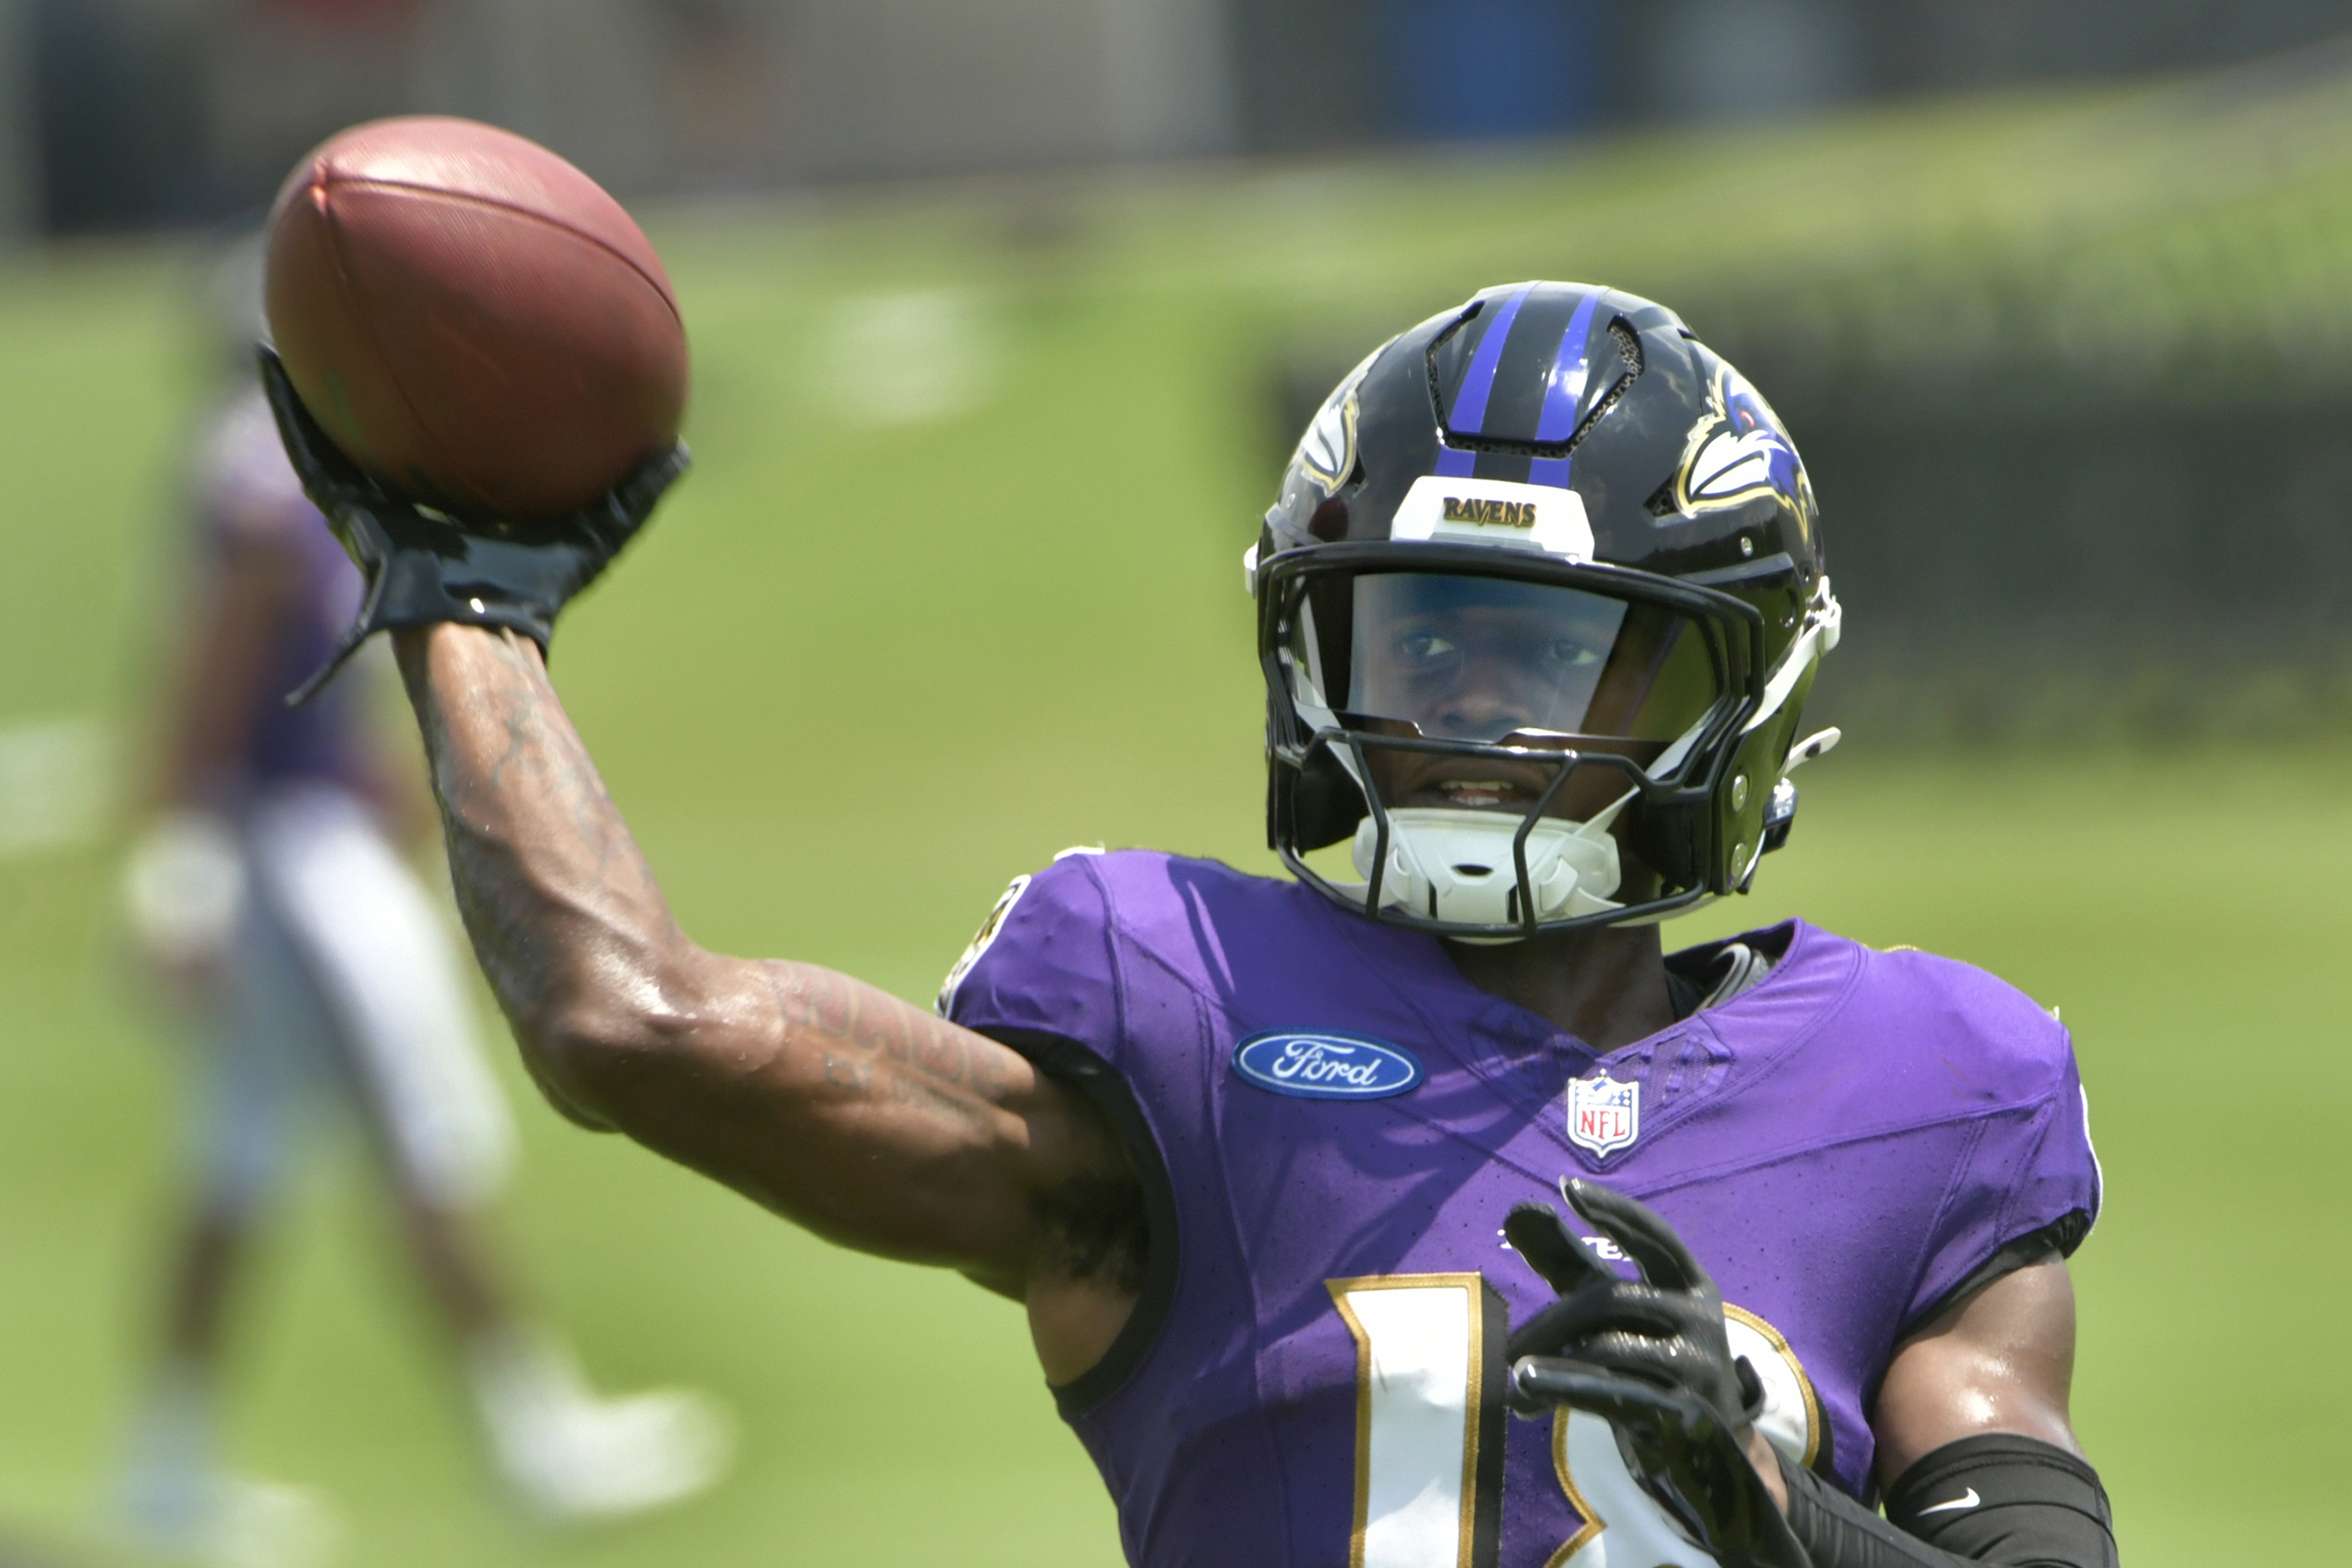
(1603, 1114)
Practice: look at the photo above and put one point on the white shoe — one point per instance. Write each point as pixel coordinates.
(602, 1458)
(572, 1456)
(232, 1522)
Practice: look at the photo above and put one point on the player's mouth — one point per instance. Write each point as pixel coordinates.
(1474, 793)
(1482, 786)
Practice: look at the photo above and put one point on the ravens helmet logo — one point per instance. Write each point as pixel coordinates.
(1327, 452)
(1736, 452)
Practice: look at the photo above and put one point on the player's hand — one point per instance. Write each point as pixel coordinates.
(1651, 1357)
(422, 565)
(1665, 1327)
(184, 893)
(1680, 1452)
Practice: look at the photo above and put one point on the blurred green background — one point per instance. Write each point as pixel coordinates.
(956, 583)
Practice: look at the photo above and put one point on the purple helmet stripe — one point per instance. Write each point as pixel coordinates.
(1469, 409)
(1455, 464)
(1564, 393)
(1564, 390)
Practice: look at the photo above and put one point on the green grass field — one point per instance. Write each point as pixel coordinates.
(861, 673)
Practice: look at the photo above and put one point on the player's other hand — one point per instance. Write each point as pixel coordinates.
(184, 894)
(1651, 1356)
(1665, 1328)
(422, 565)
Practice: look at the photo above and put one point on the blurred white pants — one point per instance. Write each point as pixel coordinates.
(345, 989)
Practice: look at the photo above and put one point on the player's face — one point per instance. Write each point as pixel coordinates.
(1529, 666)
(1482, 672)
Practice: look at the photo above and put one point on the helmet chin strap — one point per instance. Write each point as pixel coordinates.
(1456, 866)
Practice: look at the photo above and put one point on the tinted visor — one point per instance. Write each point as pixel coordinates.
(1458, 657)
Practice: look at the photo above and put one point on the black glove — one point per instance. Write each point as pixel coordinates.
(1665, 1328)
(423, 566)
(1651, 1357)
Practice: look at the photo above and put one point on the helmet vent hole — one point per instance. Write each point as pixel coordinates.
(1629, 349)
(1437, 345)
(1629, 345)
(1467, 869)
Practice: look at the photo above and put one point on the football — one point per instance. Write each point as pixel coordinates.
(472, 320)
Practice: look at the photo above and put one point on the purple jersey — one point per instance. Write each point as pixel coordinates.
(1333, 1123)
(248, 497)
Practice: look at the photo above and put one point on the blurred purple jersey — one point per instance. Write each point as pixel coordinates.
(1340, 1123)
(247, 498)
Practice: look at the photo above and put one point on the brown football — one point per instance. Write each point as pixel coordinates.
(476, 322)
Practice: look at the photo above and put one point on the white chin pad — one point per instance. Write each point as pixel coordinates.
(1456, 865)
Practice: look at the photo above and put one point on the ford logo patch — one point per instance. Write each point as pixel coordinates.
(1325, 1067)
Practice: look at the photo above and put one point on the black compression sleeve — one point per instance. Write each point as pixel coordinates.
(2035, 1504)
(2027, 1505)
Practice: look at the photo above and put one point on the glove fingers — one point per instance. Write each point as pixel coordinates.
(1561, 1327)
(1751, 1387)
(1643, 1235)
(320, 464)
(1541, 1381)
(1666, 1363)
(424, 566)
(1538, 1234)
(1615, 1396)
(641, 489)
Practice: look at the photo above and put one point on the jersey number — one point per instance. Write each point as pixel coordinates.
(1429, 1425)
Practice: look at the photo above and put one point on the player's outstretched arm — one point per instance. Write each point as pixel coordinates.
(869, 1120)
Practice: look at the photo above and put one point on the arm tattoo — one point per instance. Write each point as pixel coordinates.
(554, 890)
(778, 1078)
(873, 1026)
(1092, 1226)
(1097, 1228)
(539, 858)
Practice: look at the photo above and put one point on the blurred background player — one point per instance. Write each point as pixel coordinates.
(269, 903)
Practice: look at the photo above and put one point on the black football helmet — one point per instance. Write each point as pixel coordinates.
(1539, 607)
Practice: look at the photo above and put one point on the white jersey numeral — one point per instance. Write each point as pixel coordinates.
(1622, 1524)
(1428, 1418)
(1429, 1433)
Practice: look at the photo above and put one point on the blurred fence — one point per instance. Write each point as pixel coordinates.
(2074, 381)
(2092, 472)
(135, 114)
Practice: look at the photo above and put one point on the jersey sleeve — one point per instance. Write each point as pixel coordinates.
(1043, 976)
(2029, 1183)
(1044, 962)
